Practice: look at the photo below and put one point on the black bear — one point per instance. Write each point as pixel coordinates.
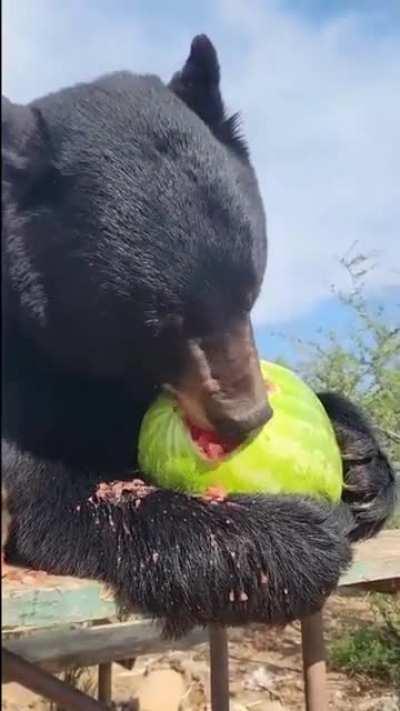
(134, 247)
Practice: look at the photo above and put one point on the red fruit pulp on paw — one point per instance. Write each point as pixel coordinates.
(210, 444)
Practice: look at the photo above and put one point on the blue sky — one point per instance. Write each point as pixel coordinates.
(326, 316)
(316, 82)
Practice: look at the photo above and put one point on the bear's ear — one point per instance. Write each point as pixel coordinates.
(198, 85)
(24, 153)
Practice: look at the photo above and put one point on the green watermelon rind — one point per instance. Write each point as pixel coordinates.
(308, 462)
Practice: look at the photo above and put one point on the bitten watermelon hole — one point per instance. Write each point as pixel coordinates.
(210, 444)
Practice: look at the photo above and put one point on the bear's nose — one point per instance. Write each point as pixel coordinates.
(222, 387)
(240, 423)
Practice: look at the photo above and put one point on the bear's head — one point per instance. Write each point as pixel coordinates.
(134, 237)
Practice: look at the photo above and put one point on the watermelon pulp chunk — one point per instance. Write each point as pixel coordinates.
(210, 444)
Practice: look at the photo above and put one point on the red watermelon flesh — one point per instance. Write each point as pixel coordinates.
(209, 443)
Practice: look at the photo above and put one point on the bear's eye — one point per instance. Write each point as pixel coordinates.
(246, 302)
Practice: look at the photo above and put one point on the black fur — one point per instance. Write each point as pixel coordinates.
(132, 222)
(197, 84)
(370, 491)
(266, 559)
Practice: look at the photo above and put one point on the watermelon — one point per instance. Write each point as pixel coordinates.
(294, 453)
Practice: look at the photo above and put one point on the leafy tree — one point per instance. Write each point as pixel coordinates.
(365, 367)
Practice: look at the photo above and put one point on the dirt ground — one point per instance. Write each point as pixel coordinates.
(265, 674)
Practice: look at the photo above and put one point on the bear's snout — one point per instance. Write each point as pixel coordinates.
(222, 388)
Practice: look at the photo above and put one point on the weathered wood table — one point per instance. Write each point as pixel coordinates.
(50, 623)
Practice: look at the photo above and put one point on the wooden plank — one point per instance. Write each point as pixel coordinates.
(48, 600)
(363, 572)
(389, 587)
(385, 545)
(57, 650)
(376, 559)
(40, 682)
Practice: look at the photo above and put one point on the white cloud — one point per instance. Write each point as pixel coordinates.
(48, 45)
(322, 112)
(321, 108)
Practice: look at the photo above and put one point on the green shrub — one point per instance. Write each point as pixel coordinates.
(372, 649)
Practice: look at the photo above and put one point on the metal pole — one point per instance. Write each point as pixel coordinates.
(219, 668)
(41, 682)
(314, 666)
(104, 683)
